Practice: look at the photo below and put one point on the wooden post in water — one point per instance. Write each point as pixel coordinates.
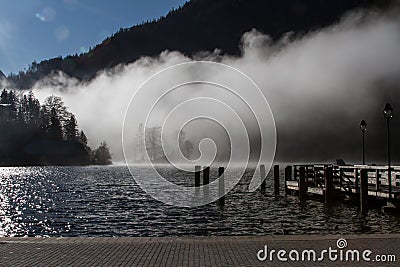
(221, 187)
(263, 177)
(307, 174)
(315, 176)
(197, 170)
(356, 181)
(302, 183)
(276, 180)
(329, 190)
(364, 191)
(377, 175)
(288, 177)
(206, 181)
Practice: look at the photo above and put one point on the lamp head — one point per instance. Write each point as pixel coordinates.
(388, 111)
(363, 126)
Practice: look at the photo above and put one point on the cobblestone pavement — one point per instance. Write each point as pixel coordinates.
(188, 251)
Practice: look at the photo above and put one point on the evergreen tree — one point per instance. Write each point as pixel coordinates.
(102, 155)
(82, 138)
(185, 145)
(4, 97)
(188, 149)
(22, 109)
(56, 103)
(71, 130)
(12, 102)
(33, 109)
(153, 142)
(55, 128)
(44, 119)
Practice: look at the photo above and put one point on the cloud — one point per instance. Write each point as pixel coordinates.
(319, 87)
(62, 33)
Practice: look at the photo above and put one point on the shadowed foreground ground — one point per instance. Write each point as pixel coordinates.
(196, 251)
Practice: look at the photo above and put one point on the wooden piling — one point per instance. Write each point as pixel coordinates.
(276, 180)
(263, 177)
(206, 180)
(197, 170)
(377, 176)
(357, 180)
(316, 172)
(307, 174)
(364, 191)
(288, 177)
(302, 183)
(221, 186)
(206, 175)
(329, 189)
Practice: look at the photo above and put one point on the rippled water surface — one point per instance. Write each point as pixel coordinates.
(106, 201)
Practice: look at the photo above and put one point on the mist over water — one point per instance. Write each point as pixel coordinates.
(319, 87)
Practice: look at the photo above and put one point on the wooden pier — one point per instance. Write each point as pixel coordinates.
(361, 183)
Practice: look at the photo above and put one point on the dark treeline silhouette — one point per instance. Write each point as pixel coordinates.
(35, 134)
(199, 25)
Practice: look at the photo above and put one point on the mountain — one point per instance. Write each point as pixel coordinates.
(199, 25)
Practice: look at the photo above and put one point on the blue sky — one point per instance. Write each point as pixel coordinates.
(41, 29)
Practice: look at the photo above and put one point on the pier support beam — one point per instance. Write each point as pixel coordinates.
(197, 170)
(377, 176)
(288, 177)
(221, 186)
(206, 181)
(263, 177)
(341, 178)
(364, 191)
(357, 180)
(302, 183)
(276, 180)
(329, 190)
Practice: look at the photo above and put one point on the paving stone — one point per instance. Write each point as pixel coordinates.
(188, 251)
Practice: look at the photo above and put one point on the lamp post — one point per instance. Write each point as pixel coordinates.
(363, 128)
(388, 114)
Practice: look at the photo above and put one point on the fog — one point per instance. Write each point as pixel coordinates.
(319, 87)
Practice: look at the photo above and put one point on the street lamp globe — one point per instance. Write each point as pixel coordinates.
(363, 126)
(388, 111)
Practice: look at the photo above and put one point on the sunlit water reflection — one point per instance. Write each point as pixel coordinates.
(106, 201)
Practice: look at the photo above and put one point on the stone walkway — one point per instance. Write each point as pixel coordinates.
(196, 251)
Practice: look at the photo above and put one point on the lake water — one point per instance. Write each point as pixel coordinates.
(106, 201)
